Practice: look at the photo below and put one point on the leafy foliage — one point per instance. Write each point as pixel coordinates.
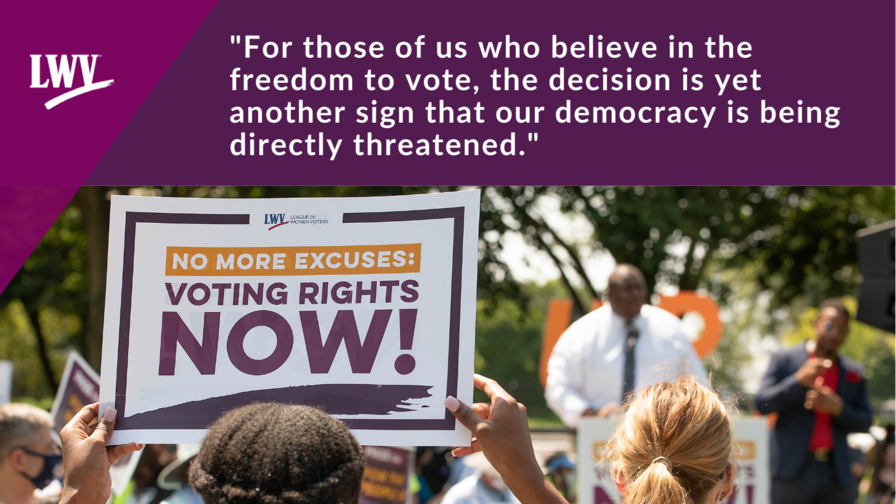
(763, 253)
(508, 344)
(42, 308)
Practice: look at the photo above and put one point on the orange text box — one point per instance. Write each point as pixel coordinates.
(279, 261)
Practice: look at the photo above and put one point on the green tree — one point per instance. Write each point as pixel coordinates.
(43, 307)
(762, 252)
(802, 238)
(508, 344)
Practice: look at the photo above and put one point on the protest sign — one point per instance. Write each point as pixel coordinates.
(5, 381)
(79, 387)
(387, 475)
(594, 472)
(122, 471)
(364, 307)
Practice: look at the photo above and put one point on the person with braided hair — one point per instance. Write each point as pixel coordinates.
(263, 453)
(270, 453)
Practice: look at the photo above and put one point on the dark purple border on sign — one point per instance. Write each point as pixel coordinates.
(127, 281)
(456, 213)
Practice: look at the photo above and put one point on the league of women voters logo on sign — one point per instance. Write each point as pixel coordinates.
(370, 318)
(62, 71)
(276, 220)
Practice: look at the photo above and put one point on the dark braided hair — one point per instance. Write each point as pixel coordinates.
(270, 453)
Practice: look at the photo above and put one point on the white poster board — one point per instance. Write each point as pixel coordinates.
(5, 381)
(122, 471)
(595, 479)
(364, 307)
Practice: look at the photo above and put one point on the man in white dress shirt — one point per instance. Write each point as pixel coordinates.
(621, 347)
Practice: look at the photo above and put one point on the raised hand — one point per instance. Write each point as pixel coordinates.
(810, 370)
(501, 431)
(87, 458)
(823, 399)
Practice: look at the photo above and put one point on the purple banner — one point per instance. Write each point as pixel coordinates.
(648, 93)
(197, 127)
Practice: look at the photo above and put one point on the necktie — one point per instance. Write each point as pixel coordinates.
(631, 337)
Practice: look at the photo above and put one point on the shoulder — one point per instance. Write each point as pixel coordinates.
(589, 324)
(794, 356)
(595, 317)
(663, 326)
(853, 370)
(659, 316)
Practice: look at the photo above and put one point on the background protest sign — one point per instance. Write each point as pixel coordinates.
(387, 475)
(79, 387)
(364, 307)
(5, 381)
(595, 476)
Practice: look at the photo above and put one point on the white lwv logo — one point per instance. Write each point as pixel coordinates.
(62, 72)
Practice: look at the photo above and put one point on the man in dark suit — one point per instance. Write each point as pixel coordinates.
(819, 397)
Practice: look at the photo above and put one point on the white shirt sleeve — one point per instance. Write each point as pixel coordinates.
(566, 378)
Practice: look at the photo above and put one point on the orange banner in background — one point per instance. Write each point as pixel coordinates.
(557, 320)
(281, 261)
(691, 302)
(559, 314)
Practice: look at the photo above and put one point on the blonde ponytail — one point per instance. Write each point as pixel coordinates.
(673, 445)
(655, 484)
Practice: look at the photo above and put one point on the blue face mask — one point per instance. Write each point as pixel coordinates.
(48, 473)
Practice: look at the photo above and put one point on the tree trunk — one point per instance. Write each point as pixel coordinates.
(95, 219)
(577, 302)
(574, 256)
(34, 317)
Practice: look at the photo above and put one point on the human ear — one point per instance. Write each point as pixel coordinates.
(17, 459)
(728, 484)
(619, 479)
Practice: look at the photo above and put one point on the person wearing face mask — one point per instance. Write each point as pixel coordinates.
(819, 396)
(609, 353)
(484, 487)
(29, 454)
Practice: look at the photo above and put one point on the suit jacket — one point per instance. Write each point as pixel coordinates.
(780, 393)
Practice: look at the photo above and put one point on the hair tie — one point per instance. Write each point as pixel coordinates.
(663, 460)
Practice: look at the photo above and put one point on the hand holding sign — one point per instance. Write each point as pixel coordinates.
(87, 459)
